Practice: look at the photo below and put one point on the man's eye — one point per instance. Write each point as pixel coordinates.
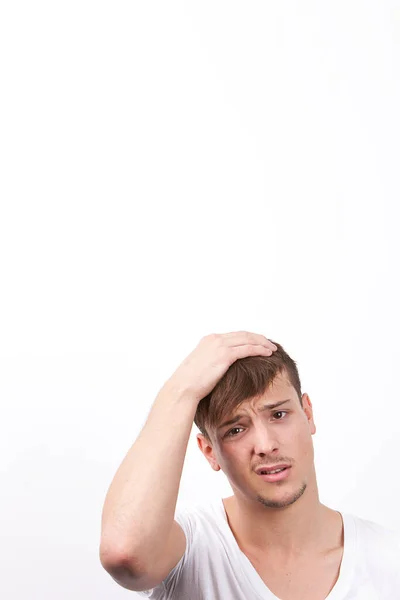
(281, 412)
(230, 434)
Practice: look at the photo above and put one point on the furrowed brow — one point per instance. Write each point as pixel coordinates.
(237, 418)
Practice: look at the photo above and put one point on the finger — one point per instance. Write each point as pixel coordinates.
(250, 350)
(240, 338)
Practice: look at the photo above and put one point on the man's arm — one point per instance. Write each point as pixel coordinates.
(139, 534)
(140, 541)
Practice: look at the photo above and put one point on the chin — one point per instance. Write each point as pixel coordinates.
(283, 500)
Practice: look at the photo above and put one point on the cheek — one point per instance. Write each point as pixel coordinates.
(300, 440)
(232, 461)
(306, 446)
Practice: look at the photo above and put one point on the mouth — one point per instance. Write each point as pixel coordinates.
(277, 475)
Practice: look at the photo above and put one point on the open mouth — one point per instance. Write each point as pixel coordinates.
(272, 472)
(275, 475)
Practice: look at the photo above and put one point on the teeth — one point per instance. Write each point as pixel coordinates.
(271, 472)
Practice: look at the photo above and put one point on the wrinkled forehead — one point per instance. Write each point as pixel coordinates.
(279, 389)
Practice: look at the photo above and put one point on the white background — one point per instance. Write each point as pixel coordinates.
(168, 170)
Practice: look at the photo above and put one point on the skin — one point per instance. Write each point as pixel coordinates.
(284, 519)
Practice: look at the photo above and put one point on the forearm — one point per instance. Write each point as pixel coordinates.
(140, 504)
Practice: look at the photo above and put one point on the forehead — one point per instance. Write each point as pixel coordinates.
(280, 381)
(279, 393)
(279, 389)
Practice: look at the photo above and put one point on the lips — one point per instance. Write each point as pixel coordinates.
(274, 477)
(268, 468)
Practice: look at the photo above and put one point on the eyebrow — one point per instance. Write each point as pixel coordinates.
(237, 418)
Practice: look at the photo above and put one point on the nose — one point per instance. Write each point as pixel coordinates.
(265, 441)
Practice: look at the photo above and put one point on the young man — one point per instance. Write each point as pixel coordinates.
(272, 539)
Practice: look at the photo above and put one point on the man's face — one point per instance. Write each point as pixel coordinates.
(265, 438)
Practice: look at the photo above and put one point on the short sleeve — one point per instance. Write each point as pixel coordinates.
(166, 588)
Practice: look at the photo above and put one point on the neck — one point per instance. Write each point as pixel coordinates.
(304, 526)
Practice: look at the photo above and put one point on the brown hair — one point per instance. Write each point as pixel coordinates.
(246, 378)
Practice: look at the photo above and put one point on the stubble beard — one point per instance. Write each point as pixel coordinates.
(269, 503)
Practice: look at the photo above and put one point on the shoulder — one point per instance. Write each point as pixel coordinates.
(373, 532)
(199, 518)
(378, 544)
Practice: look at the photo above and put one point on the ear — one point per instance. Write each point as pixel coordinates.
(205, 446)
(307, 407)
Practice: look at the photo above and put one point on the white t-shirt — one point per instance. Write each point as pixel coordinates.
(214, 568)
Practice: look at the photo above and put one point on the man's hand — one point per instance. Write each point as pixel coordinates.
(200, 372)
